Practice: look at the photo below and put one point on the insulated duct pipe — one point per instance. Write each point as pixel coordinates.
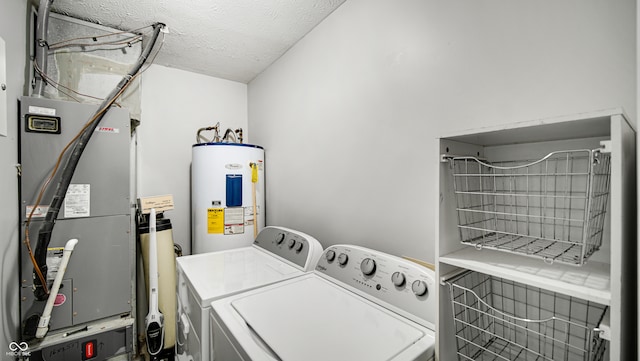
(42, 46)
(44, 234)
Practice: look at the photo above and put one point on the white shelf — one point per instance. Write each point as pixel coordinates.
(592, 124)
(591, 281)
(608, 277)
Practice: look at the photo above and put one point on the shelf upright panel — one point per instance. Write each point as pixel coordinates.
(623, 240)
(447, 240)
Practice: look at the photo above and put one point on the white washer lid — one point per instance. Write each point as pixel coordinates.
(314, 320)
(218, 274)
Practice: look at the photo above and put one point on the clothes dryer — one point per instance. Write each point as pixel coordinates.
(277, 254)
(358, 304)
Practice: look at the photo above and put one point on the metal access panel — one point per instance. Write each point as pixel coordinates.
(113, 338)
(97, 211)
(104, 165)
(98, 275)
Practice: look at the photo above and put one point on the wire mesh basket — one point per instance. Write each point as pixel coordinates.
(553, 208)
(496, 319)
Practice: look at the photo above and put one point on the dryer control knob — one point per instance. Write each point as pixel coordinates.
(299, 246)
(419, 288)
(279, 238)
(368, 266)
(398, 279)
(330, 255)
(291, 243)
(343, 259)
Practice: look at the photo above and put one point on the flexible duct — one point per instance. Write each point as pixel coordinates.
(44, 234)
(42, 46)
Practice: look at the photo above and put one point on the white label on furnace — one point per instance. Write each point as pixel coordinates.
(77, 201)
(108, 130)
(40, 211)
(54, 258)
(41, 110)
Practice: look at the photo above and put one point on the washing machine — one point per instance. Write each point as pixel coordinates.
(277, 254)
(358, 304)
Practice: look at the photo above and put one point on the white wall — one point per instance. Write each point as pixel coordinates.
(350, 115)
(175, 104)
(13, 19)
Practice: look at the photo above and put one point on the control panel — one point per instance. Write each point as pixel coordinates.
(296, 247)
(390, 281)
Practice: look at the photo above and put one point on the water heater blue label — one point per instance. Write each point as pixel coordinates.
(234, 190)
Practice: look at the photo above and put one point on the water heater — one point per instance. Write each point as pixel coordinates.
(227, 195)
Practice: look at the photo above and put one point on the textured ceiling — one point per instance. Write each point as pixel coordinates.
(230, 39)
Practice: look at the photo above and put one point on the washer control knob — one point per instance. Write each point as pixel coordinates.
(291, 243)
(279, 238)
(343, 259)
(419, 288)
(299, 246)
(398, 279)
(330, 255)
(368, 266)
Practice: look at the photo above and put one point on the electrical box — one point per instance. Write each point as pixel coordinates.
(98, 283)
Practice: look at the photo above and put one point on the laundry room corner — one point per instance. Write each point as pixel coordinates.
(387, 80)
(175, 104)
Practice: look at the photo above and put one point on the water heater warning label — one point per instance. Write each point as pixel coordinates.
(234, 220)
(215, 220)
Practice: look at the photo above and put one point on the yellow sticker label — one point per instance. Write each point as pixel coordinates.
(215, 220)
(254, 172)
